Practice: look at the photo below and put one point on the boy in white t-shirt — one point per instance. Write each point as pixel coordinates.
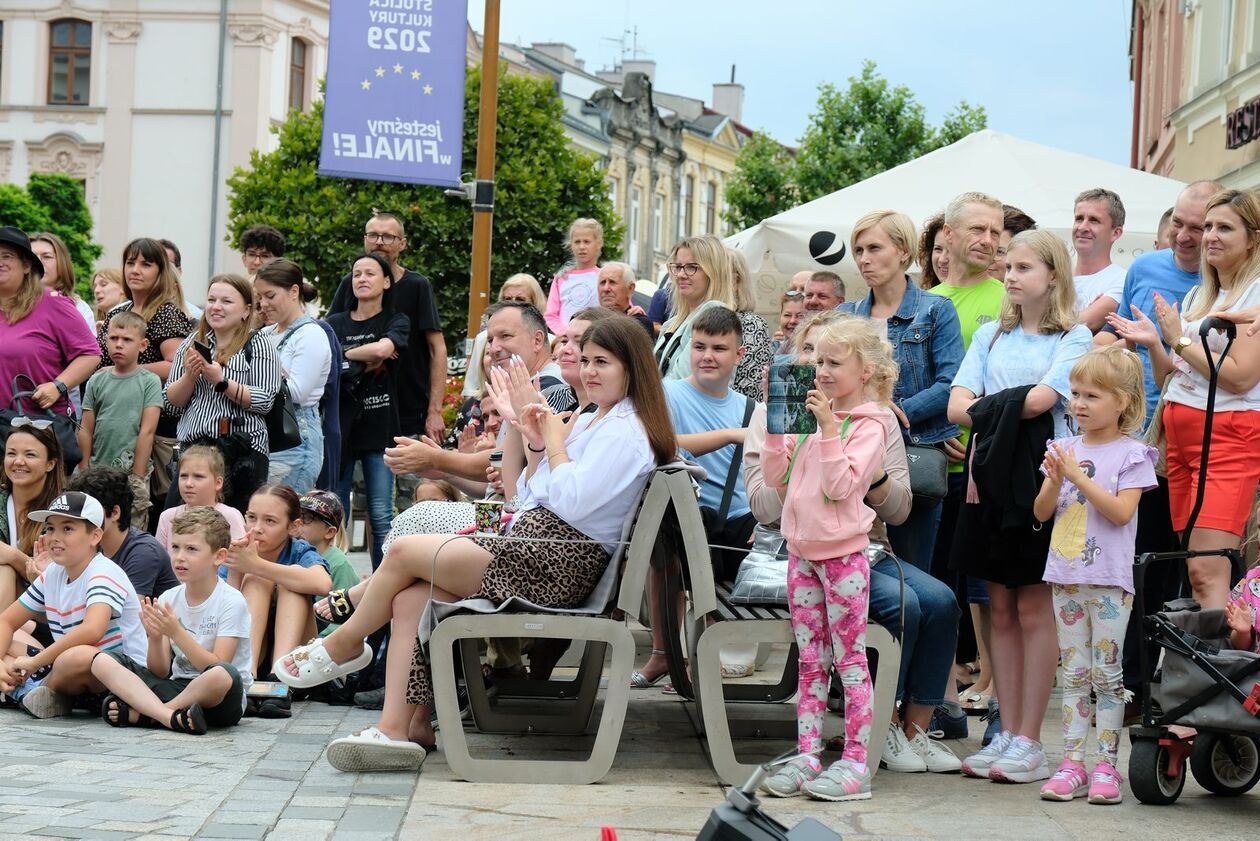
(197, 670)
(85, 599)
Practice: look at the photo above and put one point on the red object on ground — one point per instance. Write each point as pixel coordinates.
(607, 833)
(1252, 704)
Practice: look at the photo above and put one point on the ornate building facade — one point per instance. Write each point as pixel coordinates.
(125, 96)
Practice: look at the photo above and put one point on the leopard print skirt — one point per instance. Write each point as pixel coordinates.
(543, 567)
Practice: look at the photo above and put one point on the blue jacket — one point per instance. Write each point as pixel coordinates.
(928, 347)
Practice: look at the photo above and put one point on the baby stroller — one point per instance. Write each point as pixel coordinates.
(1203, 683)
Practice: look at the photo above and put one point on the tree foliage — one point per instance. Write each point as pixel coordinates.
(54, 203)
(542, 185)
(854, 133)
(761, 185)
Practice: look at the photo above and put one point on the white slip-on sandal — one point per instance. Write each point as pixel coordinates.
(316, 667)
(372, 750)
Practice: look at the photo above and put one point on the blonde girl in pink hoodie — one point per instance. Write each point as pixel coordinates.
(825, 521)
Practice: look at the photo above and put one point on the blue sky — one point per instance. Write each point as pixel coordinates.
(1055, 73)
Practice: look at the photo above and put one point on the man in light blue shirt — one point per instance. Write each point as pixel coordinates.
(1171, 272)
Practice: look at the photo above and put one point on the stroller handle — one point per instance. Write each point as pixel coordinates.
(1229, 328)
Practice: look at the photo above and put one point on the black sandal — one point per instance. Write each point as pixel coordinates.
(339, 606)
(190, 720)
(122, 713)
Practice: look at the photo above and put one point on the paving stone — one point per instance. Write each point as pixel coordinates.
(228, 830)
(373, 818)
(321, 812)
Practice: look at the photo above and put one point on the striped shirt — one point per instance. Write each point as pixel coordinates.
(200, 418)
(64, 604)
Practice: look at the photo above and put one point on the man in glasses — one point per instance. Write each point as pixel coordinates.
(260, 244)
(422, 372)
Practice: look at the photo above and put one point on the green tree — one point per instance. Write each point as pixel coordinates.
(867, 128)
(542, 185)
(761, 185)
(55, 203)
(854, 133)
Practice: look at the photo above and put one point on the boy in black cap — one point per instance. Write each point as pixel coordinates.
(85, 599)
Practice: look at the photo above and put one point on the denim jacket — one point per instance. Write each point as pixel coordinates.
(928, 347)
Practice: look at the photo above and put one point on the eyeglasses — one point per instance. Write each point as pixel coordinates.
(21, 421)
(684, 269)
(384, 239)
(258, 255)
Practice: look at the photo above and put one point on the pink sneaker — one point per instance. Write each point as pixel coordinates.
(1105, 788)
(1068, 783)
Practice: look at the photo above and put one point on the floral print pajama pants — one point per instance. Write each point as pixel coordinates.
(1092, 621)
(828, 601)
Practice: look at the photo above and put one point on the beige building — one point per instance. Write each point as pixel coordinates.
(1196, 70)
(126, 96)
(667, 157)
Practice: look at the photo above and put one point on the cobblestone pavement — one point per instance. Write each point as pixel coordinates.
(78, 778)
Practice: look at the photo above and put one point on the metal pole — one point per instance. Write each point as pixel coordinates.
(218, 138)
(483, 194)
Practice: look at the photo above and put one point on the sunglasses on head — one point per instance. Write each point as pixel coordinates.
(21, 421)
(793, 293)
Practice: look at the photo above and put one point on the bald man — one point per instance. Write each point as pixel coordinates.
(798, 281)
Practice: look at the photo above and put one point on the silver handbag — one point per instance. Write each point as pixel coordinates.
(762, 576)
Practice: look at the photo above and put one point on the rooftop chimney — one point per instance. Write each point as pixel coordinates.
(728, 99)
(640, 65)
(558, 50)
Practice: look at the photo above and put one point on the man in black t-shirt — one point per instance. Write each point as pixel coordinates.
(422, 368)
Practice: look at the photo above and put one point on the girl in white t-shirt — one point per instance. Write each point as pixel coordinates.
(576, 287)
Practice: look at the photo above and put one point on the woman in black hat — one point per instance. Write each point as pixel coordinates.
(42, 334)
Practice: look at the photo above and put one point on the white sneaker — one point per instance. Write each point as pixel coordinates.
(898, 755)
(938, 758)
(1023, 762)
(978, 764)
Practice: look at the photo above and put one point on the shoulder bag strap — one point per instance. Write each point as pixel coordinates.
(736, 464)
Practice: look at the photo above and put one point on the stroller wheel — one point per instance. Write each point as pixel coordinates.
(1149, 775)
(1228, 765)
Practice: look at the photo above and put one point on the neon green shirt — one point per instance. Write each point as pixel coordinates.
(975, 305)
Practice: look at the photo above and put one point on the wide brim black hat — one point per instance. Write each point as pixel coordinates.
(20, 242)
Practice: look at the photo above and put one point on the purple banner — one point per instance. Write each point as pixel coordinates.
(394, 105)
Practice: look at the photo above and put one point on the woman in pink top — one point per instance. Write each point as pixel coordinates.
(575, 288)
(825, 521)
(43, 336)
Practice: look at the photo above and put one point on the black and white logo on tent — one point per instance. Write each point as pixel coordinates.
(819, 246)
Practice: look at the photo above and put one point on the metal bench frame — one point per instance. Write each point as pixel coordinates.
(556, 707)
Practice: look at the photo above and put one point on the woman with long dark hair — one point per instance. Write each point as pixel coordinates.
(582, 478)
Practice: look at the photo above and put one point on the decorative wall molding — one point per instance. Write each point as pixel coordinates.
(65, 153)
(123, 31)
(6, 160)
(254, 34)
(305, 30)
(61, 114)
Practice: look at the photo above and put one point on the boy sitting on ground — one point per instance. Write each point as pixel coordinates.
(87, 602)
(138, 553)
(197, 670)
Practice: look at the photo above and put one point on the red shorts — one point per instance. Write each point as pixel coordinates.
(1233, 467)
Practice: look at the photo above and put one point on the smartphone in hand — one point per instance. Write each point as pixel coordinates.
(785, 401)
(202, 349)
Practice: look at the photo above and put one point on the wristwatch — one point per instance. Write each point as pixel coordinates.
(221, 385)
(1181, 344)
(61, 387)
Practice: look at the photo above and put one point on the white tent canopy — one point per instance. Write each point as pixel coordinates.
(1040, 180)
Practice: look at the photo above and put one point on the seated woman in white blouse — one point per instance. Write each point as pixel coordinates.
(581, 479)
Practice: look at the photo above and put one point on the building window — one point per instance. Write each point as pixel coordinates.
(632, 248)
(688, 216)
(297, 74)
(658, 222)
(69, 62)
(708, 207)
